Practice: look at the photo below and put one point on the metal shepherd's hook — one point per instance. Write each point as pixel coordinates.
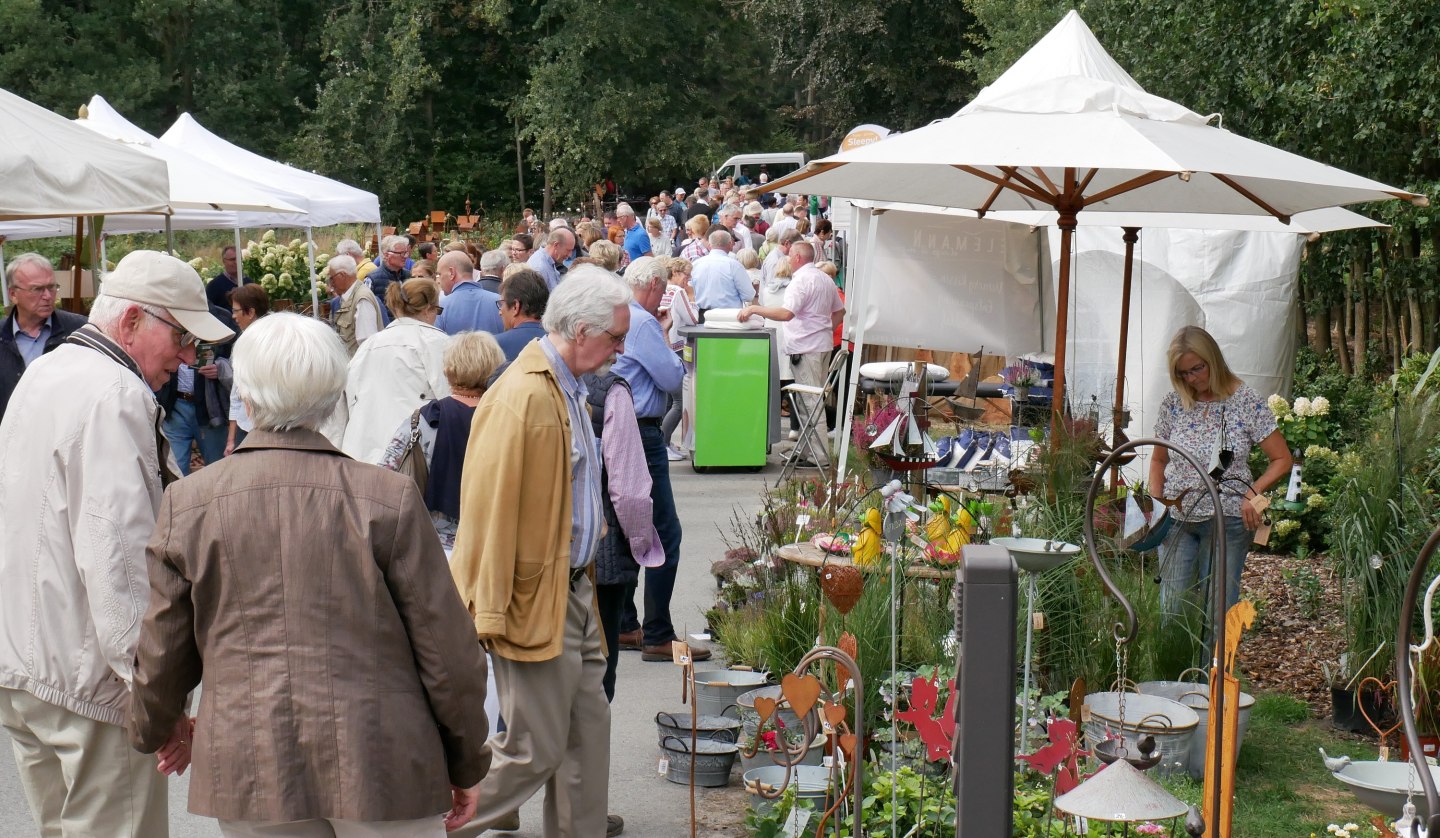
(1402, 685)
(1125, 631)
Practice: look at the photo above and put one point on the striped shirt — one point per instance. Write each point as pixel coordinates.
(586, 518)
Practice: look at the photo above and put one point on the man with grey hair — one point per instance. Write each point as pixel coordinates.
(809, 314)
(467, 306)
(654, 374)
(775, 257)
(719, 280)
(84, 464)
(523, 562)
(637, 241)
(394, 253)
(359, 315)
(549, 260)
(492, 268)
(34, 325)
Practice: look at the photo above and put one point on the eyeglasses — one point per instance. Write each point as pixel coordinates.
(502, 304)
(186, 339)
(42, 290)
(1193, 371)
(618, 340)
(397, 253)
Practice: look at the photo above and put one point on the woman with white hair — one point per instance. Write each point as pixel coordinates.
(396, 371)
(247, 590)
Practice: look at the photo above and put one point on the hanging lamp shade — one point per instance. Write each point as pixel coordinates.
(1121, 794)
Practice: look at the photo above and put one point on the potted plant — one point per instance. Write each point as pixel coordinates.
(1021, 377)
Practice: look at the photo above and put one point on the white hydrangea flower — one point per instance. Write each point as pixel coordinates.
(1319, 406)
(1278, 406)
(1302, 406)
(1315, 501)
(269, 237)
(197, 263)
(1320, 452)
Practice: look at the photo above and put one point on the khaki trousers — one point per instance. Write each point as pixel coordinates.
(811, 371)
(433, 826)
(81, 776)
(557, 732)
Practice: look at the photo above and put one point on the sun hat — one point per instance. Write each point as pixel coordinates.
(158, 279)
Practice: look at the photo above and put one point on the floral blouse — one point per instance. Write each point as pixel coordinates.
(1247, 421)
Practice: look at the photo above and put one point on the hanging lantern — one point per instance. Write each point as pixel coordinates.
(1121, 794)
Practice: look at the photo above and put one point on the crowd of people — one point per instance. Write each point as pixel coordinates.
(475, 447)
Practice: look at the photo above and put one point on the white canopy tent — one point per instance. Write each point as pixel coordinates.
(204, 196)
(331, 202)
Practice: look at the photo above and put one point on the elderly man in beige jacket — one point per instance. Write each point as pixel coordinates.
(530, 519)
(83, 463)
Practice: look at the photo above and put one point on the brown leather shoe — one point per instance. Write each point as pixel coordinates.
(631, 640)
(662, 652)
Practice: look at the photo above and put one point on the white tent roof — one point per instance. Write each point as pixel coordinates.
(52, 167)
(1326, 220)
(331, 202)
(205, 197)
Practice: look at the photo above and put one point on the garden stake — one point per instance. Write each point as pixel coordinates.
(1403, 683)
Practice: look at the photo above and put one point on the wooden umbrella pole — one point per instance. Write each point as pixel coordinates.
(1132, 234)
(1062, 318)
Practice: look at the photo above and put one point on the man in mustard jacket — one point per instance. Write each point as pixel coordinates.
(530, 519)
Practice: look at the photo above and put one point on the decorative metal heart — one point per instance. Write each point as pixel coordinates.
(834, 713)
(802, 691)
(847, 744)
(766, 708)
(1385, 688)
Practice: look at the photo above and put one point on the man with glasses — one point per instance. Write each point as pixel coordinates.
(197, 400)
(521, 247)
(523, 297)
(524, 564)
(394, 253)
(34, 326)
(548, 261)
(218, 291)
(84, 463)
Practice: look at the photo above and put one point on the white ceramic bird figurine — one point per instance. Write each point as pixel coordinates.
(1333, 764)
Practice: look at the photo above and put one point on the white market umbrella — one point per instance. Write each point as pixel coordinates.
(1067, 130)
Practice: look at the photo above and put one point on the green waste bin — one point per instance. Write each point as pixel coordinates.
(737, 396)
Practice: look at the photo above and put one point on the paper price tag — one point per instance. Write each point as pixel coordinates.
(1084, 713)
(680, 651)
(1037, 620)
(1384, 753)
(664, 766)
(795, 824)
(802, 520)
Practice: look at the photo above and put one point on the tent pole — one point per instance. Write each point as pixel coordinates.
(239, 276)
(314, 291)
(1132, 235)
(169, 237)
(75, 304)
(4, 286)
(103, 263)
(857, 302)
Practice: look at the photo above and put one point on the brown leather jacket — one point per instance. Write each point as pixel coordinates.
(341, 674)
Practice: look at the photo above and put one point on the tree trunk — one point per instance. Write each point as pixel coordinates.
(519, 164)
(1417, 323)
(430, 168)
(1391, 337)
(1342, 352)
(1430, 313)
(1320, 331)
(1361, 321)
(545, 203)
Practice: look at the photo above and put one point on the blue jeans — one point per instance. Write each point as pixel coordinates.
(659, 581)
(1185, 560)
(181, 428)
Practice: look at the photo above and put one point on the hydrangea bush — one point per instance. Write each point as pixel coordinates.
(1300, 525)
(284, 269)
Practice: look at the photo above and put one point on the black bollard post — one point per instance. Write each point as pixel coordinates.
(985, 708)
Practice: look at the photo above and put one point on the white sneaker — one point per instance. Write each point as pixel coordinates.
(793, 435)
(674, 454)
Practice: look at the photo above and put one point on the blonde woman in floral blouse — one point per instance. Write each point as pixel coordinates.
(1217, 419)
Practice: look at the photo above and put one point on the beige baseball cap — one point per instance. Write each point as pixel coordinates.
(159, 279)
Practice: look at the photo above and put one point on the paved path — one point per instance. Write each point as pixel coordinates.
(652, 807)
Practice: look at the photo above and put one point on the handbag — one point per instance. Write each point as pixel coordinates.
(412, 459)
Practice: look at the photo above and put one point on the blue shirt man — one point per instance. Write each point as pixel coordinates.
(719, 279)
(468, 307)
(649, 365)
(637, 241)
(547, 260)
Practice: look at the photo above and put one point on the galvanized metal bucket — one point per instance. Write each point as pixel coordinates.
(1197, 697)
(1170, 722)
(811, 782)
(717, 689)
(751, 719)
(713, 761)
(716, 728)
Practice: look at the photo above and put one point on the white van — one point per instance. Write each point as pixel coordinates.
(777, 165)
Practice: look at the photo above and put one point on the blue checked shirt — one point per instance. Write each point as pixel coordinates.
(586, 517)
